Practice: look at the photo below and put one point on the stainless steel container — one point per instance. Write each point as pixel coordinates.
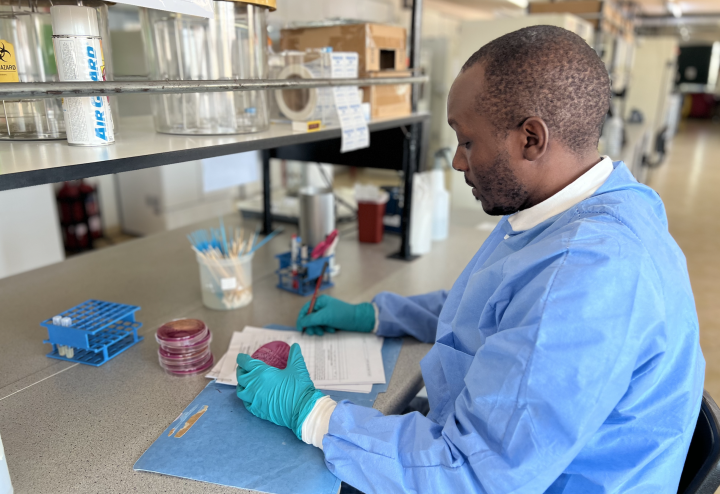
(231, 46)
(317, 214)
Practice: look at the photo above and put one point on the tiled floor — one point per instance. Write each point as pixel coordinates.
(689, 184)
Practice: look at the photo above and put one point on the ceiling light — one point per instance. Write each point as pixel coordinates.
(520, 3)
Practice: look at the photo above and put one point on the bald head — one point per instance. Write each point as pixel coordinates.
(548, 72)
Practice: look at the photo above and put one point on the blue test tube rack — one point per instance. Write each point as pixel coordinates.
(308, 273)
(98, 332)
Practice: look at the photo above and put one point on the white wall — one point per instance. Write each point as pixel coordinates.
(471, 36)
(168, 197)
(107, 194)
(294, 11)
(29, 230)
(651, 80)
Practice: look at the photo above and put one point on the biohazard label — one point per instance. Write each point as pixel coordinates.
(8, 66)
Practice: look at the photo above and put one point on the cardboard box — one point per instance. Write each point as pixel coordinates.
(388, 101)
(577, 7)
(379, 46)
(381, 53)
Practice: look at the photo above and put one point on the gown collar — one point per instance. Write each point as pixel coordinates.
(582, 188)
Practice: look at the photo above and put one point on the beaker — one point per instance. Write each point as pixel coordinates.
(226, 283)
(27, 55)
(232, 45)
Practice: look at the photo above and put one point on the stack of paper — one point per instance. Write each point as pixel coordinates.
(343, 361)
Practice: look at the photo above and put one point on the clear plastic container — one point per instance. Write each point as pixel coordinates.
(226, 283)
(26, 32)
(231, 46)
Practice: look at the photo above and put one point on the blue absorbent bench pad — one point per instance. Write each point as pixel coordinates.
(217, 440)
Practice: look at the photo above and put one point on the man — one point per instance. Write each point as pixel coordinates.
(566, 355)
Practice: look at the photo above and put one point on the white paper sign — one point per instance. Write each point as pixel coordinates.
(228, 283)
(355, 132)
(222, 172)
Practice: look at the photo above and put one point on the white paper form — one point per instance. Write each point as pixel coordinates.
(351, 388)
(355, 133)
(340, 361)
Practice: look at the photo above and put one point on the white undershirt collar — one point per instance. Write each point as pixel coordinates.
(579, 190)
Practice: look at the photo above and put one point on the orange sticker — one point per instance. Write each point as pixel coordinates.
(191, 421)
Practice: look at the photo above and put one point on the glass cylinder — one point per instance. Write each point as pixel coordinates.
(231, 46)
(26, 41)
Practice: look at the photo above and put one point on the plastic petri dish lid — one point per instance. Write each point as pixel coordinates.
(189, 369)
(181, 333)
(190, 349)
(274, 353)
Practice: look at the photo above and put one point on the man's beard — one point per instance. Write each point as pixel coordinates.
(504, 192)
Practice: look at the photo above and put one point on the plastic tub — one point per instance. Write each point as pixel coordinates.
(231, 46)
(226, 284)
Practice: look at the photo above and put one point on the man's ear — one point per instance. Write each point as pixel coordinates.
(535, 136)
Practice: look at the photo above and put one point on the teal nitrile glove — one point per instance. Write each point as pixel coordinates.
(330, 314)
(282, 396)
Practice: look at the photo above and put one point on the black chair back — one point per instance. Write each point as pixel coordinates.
(701, 473)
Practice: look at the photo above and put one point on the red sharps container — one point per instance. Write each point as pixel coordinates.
(370, 222)
(371, 209)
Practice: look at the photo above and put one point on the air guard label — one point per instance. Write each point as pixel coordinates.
(88, 120)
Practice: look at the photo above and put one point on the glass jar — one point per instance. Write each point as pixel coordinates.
(26, 32)
(233, 45)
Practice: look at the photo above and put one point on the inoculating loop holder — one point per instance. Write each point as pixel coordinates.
(302, 281)
(98, 331)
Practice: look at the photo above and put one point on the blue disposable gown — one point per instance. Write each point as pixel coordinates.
(566, 359)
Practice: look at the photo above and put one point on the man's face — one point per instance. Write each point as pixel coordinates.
(485, 156)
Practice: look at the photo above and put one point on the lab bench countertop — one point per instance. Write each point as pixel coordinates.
(70, 427)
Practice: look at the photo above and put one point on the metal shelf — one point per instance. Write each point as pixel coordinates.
(28, 163)
(34, 90)
(399, 143)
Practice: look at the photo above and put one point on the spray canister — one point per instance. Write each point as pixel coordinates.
(79, 57)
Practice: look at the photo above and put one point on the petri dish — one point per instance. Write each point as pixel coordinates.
(184, 347)
(180, 358)
(274, 353)
(182, 333)
(188, 369)
(190, 349)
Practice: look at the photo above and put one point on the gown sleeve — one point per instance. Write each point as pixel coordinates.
(415, 316)
(570, 327)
